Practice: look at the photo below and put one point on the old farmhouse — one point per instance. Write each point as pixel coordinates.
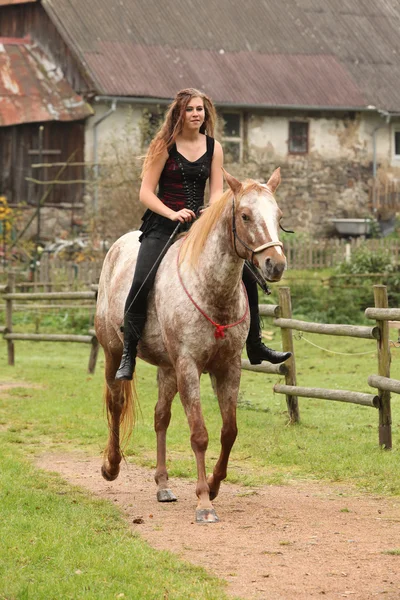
(311, 86)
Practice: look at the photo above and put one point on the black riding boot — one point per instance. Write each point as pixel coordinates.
(133, 327)
(256, 350)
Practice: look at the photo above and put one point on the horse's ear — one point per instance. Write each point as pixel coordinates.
(274, 180)
(233, 183)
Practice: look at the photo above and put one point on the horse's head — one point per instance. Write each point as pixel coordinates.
(255, 224)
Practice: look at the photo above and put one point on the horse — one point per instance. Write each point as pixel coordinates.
(197, 322)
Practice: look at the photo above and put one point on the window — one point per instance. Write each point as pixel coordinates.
(149, 124)
(232, 136)
(397, 143)
(298, 137)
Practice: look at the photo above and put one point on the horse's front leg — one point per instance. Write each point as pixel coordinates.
(167, 388)
(189, 390)
(227, 383)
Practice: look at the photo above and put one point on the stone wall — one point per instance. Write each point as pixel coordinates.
(314, 191)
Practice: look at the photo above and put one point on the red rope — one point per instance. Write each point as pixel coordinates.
(219, 329)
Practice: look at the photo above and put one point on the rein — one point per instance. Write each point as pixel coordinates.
(219, 329)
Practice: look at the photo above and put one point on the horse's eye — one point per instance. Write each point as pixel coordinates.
(245, 217)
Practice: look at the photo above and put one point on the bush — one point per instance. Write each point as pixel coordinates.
(364, 261)
(344, 299)
(326, 305)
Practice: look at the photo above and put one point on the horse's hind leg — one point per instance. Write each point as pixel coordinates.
(118, 397)
(167, 388)
(227, 386)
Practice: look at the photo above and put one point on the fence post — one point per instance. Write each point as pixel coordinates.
(93, 355)
(348, 253)
(9, 310)
(285, 305)
(385, 418)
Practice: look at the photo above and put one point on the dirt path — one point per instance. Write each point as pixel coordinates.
(292, 542)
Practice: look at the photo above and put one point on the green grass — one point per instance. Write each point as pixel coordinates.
(59, 543)
(53, 531)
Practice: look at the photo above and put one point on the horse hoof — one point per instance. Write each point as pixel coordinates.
(206, 515)
(107, 475)
(166, 496)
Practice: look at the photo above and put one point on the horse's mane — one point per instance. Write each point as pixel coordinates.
(193, 244)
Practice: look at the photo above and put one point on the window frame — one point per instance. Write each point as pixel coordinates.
(235, 139)
(290, 137)
(396, 131)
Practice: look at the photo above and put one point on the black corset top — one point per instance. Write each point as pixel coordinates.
(182, 182)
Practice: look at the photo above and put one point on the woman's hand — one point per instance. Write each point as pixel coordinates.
(183, 215)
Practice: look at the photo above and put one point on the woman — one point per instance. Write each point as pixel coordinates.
(180, 159)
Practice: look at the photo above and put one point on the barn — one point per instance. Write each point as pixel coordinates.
(311, 87)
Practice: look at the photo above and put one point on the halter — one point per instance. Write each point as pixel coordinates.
(262, 282)
(236, 237)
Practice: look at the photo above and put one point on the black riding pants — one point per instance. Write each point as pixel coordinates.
(148, 261)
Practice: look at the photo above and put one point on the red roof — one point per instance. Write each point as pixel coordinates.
(322, 53)
(7, 2)
(313, 81)
(33, 89)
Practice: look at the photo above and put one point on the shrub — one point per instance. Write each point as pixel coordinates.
(364, 260)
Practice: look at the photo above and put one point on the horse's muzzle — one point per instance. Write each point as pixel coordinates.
(273, 269)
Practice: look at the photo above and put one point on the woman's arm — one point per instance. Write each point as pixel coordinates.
(148, 196)
(216, 175)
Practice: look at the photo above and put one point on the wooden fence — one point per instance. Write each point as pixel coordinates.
(282, 318)
(10, 296)
(52, 273)
(382, 382)
(322, 254)
(385, 197)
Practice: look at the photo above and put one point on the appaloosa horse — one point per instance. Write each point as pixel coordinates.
(197, 322)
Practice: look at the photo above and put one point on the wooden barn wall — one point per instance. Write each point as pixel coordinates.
(16, 162)
(31, 19)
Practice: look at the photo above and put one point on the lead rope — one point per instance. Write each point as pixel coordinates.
(219, 329)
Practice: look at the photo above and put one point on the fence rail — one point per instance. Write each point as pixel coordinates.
(357, 331)
(384, 383)
(326, 394)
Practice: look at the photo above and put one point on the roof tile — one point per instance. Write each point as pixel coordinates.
(32, 89)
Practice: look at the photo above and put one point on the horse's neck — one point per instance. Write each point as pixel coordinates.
(220, 268)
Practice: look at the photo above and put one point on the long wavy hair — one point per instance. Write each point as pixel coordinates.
(174, 121)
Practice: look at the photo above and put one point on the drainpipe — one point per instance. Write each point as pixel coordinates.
(95, 152)
(386, 115)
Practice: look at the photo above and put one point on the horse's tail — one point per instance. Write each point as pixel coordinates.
(127, 400)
